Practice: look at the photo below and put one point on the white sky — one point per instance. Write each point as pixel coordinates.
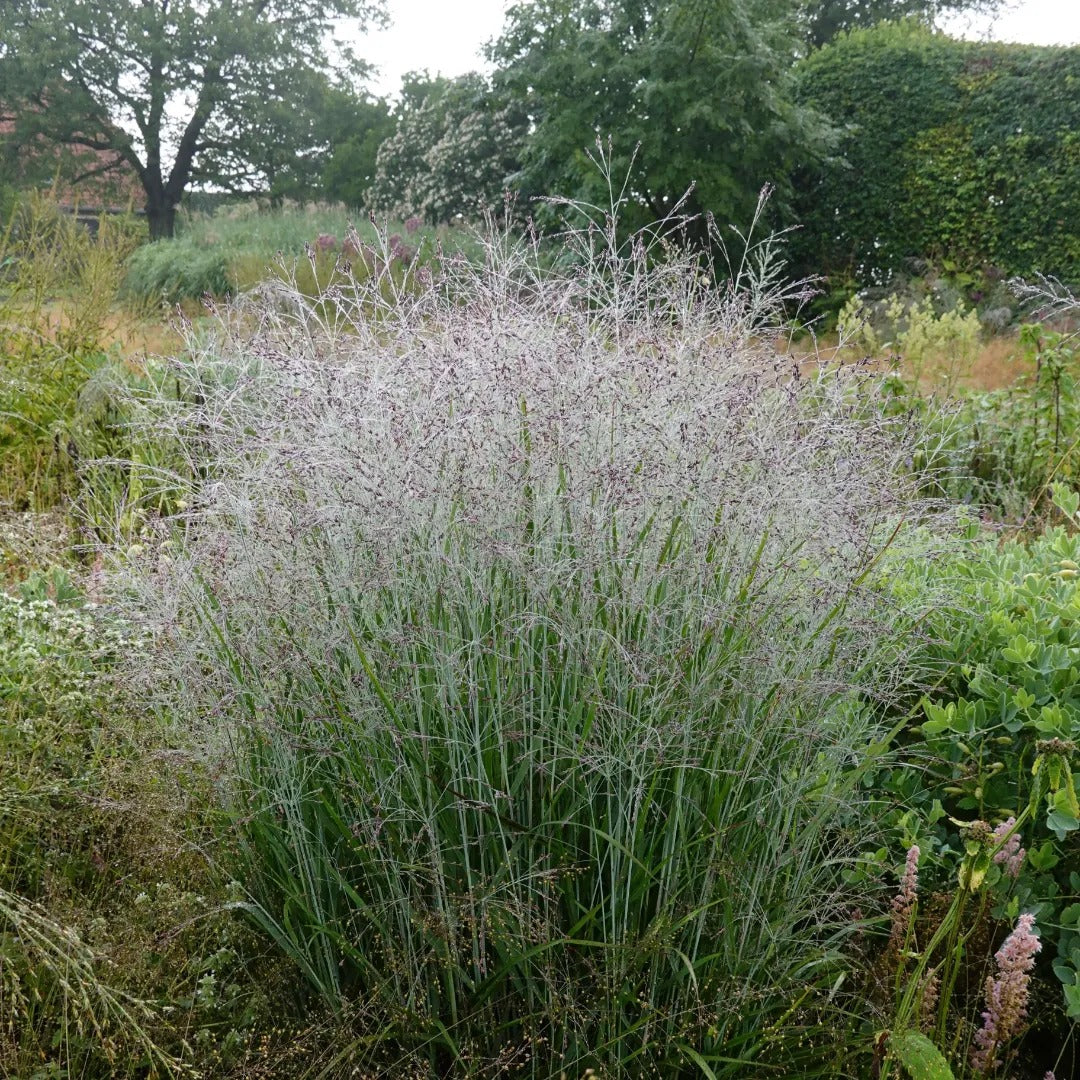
(1036, 22)
(446, 36)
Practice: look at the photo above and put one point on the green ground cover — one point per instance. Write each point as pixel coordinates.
(241, 244)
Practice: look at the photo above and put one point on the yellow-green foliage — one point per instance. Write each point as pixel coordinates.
(58, 284)
(922, 343)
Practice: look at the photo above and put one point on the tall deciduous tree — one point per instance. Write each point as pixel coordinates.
(181, 90)
(356, 128)
(704, 88)
(827, 18)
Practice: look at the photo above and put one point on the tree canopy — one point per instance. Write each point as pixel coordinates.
(825, 19)
(183, 91)
(704, 89)
(355, 130)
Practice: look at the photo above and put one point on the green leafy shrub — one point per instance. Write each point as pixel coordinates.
(49, 654)
(998, 451)
(971, 149)
(1013, 443)
(931, 351)
(120, 956)
(999, 729)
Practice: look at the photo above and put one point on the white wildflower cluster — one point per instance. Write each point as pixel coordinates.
(52, 655)
(32, 539)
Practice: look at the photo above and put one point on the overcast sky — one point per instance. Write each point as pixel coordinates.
(446, 35)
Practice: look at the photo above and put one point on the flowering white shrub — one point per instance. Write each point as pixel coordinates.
(451, 156)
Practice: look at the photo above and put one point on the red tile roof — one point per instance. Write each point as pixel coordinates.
(113, 185)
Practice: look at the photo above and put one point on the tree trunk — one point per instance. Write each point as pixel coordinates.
(161, 216)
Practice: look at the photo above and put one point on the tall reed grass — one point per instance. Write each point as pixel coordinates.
(58, 284)
(527, 614)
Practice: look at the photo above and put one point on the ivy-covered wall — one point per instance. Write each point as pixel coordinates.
(964, 153)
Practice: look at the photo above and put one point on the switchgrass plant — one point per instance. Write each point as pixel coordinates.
(526, 615)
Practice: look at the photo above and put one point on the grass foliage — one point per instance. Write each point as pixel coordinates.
(119, 954)
(240, 245)
(58, 286)
(526, 613)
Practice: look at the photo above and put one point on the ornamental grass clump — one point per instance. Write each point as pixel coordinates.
(524, 613)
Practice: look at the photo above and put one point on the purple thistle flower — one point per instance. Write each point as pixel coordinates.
(1006, 995)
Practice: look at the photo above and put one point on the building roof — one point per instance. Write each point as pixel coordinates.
(81, 178)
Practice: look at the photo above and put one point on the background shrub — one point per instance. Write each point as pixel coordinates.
(169, 271)
(971, 149)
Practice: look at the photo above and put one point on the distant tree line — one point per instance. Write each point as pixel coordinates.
(881, 143)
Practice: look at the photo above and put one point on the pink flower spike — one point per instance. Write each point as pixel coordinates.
(1006, 995)
(1011, 854)
(904, 902)
(909, 883)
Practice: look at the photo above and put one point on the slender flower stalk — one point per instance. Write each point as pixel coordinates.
(930, 990)
(903, 904)
(1006, 995)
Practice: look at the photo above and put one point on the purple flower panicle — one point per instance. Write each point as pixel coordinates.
(1006, 994)
(903, 902)
(1011, 855)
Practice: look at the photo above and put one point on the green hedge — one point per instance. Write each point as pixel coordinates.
(965, 153)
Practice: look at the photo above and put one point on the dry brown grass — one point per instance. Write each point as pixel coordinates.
(135, 334)
(999, 362)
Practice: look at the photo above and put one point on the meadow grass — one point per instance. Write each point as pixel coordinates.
(241, 244)
(58, 291)
(526, 614)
